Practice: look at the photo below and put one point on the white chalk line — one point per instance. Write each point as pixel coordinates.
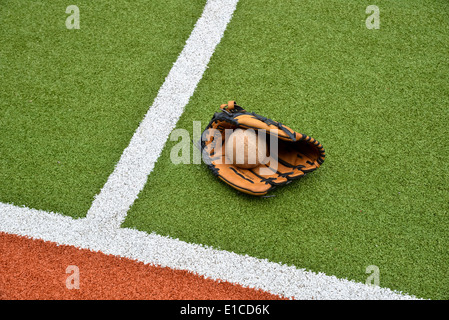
(153, 249)
(101, 229)
(122, 188)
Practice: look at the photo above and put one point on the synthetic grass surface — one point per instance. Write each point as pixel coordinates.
(70, 100)
(376, 99)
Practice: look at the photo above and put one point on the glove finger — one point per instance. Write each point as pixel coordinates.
(242, 179)
(255, 121)
(283, 171)
(301, 155)
(269, 175)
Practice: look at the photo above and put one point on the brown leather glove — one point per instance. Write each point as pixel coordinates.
(294, 155)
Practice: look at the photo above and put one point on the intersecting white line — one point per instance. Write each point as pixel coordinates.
(101, 231)
(283, 280)
(137, 161)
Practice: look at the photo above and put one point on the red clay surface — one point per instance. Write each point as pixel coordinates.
(36, 270)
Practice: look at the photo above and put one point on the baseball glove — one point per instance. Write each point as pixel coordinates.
(294, 155)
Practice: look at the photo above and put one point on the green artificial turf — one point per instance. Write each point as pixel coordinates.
(378, 102)
(70, 100)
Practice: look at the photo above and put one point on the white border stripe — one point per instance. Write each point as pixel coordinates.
(137, 161)
(205, 261)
